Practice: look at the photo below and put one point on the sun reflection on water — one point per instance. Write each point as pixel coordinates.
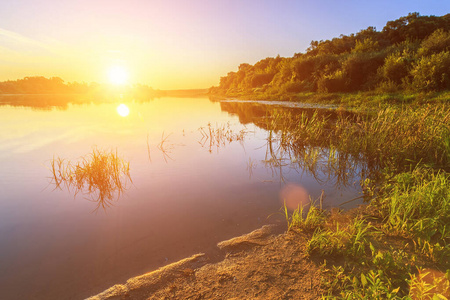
(123, 110)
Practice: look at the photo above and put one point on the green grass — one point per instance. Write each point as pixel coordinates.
(416, 205)
(301, 220)
(348, 239)
(382, 250)
(403, 156)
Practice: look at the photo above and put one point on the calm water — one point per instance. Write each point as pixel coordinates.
(184, 201)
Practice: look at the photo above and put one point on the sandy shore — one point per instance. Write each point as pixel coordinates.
(264, 264)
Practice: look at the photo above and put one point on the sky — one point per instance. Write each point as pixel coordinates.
(174, 44)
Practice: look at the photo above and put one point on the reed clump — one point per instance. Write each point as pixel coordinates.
(102, 176)
(397, 138)
(302, 142)
(219, 135)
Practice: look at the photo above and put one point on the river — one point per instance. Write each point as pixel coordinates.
(190, 189)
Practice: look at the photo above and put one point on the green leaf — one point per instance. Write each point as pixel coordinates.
(363, 280)
(439, 297)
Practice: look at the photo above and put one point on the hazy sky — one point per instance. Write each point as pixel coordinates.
(173, 43)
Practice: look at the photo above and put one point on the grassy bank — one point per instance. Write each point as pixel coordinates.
(398, 246)
(358, 100)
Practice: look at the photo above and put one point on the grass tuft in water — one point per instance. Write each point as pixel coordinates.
(219, 135)
(101, 175)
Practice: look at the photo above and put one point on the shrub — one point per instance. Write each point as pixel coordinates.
(436, 42)
(336, 82)
(294, 87)
(366, 45)
(432, 73)
(360, 67)
(396, 66)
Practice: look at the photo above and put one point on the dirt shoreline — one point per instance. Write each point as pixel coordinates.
(264, 264)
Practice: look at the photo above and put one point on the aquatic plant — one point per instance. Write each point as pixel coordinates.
(102, 176)
(395, 138)
(299, 141)
(219, 135)
(164, 146)
(313, 219)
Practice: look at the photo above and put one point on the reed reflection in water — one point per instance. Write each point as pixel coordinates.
(220, 135)
(102, 176)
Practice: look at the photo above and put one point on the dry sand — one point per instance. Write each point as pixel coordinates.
(259, 265)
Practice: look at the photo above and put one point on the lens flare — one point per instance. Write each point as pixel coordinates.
(294, 196)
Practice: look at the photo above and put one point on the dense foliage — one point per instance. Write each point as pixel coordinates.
(409, 54)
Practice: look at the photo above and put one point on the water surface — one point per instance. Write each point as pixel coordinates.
(187, 194)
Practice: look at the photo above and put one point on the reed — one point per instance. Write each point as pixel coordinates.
(220, 135)
(251, 165)
(391, 137)
(102, 176)
(303, 219)
(165, 147)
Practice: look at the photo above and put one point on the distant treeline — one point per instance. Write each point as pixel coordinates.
(411, 53)
(56, 85)
(42, 85)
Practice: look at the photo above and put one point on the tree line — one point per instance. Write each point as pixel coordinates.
(56, 85)
(411, 53)
(42, 85)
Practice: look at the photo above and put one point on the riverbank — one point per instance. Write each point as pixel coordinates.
(258, 265)
(266, 264)
(356, 100)
(396, 247)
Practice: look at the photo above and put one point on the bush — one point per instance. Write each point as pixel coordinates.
(293, 87)
(303, 68)
(396, 67)
(333, 83)
(360, 67)
(387, 87)
(436, 42)
(258, 80)
(432, 73)
(366, 45)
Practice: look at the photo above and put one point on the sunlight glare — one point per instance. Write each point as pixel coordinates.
(123, 110)
(118, 75)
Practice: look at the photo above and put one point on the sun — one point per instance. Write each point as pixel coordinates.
(118, 75)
